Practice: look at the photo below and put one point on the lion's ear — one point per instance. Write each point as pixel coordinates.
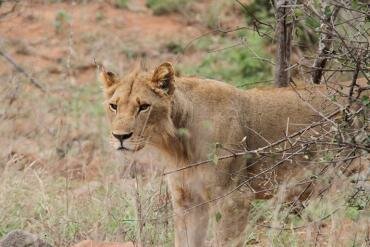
(108, 78)
(163, 78)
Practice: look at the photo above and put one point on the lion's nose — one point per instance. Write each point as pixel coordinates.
(122, 137)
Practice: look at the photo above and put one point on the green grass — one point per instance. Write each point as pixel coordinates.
(243, 65)
(46, 199)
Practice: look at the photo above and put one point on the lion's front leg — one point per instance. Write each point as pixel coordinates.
(191, 218)
(191, 227)
(232, 219)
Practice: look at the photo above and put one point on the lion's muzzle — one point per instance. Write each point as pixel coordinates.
(121, 138)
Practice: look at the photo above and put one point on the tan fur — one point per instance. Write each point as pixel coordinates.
(185, 120)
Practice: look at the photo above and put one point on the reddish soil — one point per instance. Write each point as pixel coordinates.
(56, 44)
(94, 30)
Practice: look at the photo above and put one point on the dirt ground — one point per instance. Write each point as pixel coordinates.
(113, 36)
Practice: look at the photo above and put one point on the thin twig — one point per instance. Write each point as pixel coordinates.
(22, 71)
(256, 151)
(354, 80)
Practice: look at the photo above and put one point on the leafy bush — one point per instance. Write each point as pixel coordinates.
(243, 66)
(261, 9)
(304, 27)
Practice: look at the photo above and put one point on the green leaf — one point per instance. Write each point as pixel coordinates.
(327, 11)
(365, 100)
(352, 213)
(218, 217)
(354, 4)
(183, 132)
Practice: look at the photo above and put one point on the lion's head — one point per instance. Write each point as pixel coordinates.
(139, 107)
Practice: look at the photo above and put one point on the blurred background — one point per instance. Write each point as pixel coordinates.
(58, 175)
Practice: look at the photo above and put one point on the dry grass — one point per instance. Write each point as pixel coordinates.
(57, 177)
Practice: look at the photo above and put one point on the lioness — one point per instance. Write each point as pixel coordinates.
(188, 120)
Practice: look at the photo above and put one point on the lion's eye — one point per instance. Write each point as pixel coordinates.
(144, 107)
(113, 107)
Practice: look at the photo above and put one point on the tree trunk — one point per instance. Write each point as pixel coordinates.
(283, 38)
(326, 37)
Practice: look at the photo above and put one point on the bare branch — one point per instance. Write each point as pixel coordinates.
(22, 71)
(257, 151)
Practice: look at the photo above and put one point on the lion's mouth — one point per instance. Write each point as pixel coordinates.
(122, 148)
(126, 149)
(131, 146)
